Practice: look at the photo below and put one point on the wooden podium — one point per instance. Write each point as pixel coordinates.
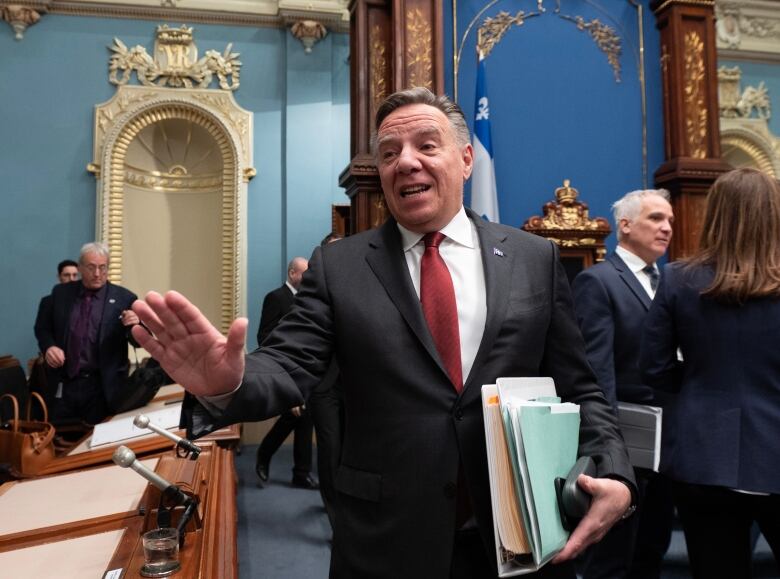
(84, 455)
(89, 523)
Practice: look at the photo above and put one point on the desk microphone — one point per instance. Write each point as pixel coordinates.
(187, 446)
(125, 458)
(171, 494)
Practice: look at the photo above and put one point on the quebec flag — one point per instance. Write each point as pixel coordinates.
(484, 200)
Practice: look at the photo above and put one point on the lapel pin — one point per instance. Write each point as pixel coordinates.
(112, 301)
(498, 252)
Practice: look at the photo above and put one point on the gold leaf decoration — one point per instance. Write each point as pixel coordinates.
(419, 62)
(378, 69)
(493, 30)
(694, 96)
(605, 38)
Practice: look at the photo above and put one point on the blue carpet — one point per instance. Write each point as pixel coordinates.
(283, 532)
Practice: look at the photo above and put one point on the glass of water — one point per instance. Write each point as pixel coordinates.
(161, 552)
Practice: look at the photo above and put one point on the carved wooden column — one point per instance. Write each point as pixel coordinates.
(394, 44)
(690, 94)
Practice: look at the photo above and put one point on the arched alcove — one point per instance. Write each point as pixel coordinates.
(172, 192)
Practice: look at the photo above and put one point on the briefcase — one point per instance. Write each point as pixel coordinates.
(27, 445)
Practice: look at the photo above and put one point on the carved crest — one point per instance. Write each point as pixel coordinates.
(175, 63)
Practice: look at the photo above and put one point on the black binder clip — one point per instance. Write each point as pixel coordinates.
(573, 502)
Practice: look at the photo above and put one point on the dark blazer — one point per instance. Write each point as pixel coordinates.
(727, 413)
(406, 428)
(611, 306)
(276, 303)
(52, 329)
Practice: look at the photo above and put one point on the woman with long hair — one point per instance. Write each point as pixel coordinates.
(712, 336)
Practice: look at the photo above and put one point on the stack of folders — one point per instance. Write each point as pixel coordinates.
(531, 439)
(641, 428)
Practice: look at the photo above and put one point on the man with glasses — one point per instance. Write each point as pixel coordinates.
(84, 337)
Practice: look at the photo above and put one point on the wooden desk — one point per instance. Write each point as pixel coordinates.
(82, 455)
(210, 546)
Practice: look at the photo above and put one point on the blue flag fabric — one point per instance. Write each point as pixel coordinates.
(484, 199)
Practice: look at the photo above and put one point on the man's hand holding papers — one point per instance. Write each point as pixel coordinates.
(611, 500)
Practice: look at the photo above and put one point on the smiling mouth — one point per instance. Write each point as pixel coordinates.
(414, 190)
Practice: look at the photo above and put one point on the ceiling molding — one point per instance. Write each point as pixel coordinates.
(333, 14)
(748, 26)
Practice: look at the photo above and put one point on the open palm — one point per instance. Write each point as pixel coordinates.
(188, 347)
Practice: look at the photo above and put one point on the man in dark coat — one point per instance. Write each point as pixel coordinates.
(414, 496)
(611, 300)
(84, 336)
(298, 419)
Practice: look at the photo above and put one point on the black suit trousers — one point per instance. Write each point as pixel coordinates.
(635, 548)
(302, 451)
(717, 523)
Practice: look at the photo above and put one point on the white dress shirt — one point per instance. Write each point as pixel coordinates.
(460, 251)
(636, 264)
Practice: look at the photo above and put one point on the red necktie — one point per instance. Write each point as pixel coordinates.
(437, 296)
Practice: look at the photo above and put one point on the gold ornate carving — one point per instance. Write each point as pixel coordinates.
(493, 30)
(175, 181)
(567, 213)
(566, 221)
(380, 211)
(735, 104)
(378, 69)
(175, 62)
(419, 61)
(19, 18)
(107, 115)
(694, 95)
(763, 162)
(309, 32)
(605, 38)
(223, 104)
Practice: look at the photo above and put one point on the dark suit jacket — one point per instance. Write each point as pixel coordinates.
(611, 307)
(406, 428)
(727, 412)
(276, 303)
(52, 329)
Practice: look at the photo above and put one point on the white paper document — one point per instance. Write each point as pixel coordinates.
(531, 440)
(123, 429)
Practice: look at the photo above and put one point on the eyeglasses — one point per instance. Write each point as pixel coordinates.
(92, 268)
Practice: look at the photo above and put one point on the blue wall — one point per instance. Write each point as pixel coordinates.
(556, 111)
(55, 76)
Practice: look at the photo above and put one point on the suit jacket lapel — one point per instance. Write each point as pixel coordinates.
(497, 264)
(630, 279)
(388, 263)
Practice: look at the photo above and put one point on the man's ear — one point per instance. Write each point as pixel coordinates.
(467, 155)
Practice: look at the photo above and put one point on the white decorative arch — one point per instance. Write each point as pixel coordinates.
(222, 125)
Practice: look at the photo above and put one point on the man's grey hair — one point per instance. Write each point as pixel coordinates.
(94, 247)
(629, 205)
(422, 96)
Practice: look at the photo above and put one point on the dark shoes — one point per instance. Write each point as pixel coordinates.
(261, 468)
(305, 482)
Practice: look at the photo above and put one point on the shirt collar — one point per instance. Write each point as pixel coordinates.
(633, 261)
(292, 289)
(458, 230)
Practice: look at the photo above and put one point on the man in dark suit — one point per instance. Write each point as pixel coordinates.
(83, 335)
(414, 496)
(611, 300)
(298, 419)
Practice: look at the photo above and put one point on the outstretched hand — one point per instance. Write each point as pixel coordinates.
(188, 347)
(610, 500)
